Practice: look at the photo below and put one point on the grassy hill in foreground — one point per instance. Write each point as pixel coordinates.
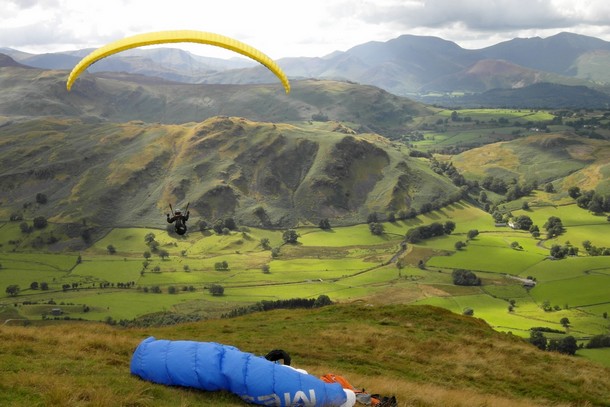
(424, 355)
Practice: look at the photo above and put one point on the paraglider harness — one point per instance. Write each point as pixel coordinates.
(179, 219)
(362, 397)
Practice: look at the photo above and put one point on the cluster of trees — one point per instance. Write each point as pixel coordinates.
(599, 341)
(560, 252)
(155, 289)
(290, 236)
(39, 222)
(324, 224)
(293, 303)
(224, 226)
(465, 277)
(34, 285)
(590, 200)
(216, 289)
(566, 345)
(13, 290)
(375, 226)
(594, 250)
(447, 169)
(157, 319)
(221, 265)
(425, 232)
(553, 227)
(154, 247)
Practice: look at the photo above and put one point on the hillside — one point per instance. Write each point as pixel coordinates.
(406, 351)
(263, 174)
(123, 97)
(563, 159)
(409, 65)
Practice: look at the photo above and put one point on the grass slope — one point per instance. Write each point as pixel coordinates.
(407, 351)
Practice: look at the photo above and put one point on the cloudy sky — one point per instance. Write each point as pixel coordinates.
(292, 28)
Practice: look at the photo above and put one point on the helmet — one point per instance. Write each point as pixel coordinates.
(178, 211)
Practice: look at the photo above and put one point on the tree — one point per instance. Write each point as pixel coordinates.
(147, 255)
(372, 218)
(459, 245)
(322, 301)
(34, 285)
(172, 289)
(290, 236)
(265, 268)
(44, 286)
(230, 224)
(449, 227)
(465, 277)
(217, 290)
(558, 252)
(472, 233)
(111, 249)
(567, 345)
(25, 228)
(13, 290)
(524, 222)
(163, 254)
(538, 339)
(324, 224)
(150, 237)
(202, 225)
(574, 192)
(376, 228)
(265, 243)
(548, 187)
(565, 322)
(218, 226)
(41, 198)
(553, 226)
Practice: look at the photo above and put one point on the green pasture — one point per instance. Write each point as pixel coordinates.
(345, 263)
(358, 235)
(39, 261)
(128, 303)
(575, 292)
(568, 268)
(108, 270)
(601, 356)
(23, 278)
(570, 215)
(598, 235)
(511, 114)
(488, 257)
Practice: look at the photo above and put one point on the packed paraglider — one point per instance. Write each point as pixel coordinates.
(212, 366)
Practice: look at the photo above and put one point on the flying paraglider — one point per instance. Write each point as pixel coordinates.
(163, 37)
(179, 218)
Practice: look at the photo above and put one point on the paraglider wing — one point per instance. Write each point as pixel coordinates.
(211, 366)
(163, 37)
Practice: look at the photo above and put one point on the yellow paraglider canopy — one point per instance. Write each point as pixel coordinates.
(163, 37)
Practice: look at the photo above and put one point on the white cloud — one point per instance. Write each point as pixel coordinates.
(295, 28)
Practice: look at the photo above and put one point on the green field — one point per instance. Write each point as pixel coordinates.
(346, 263)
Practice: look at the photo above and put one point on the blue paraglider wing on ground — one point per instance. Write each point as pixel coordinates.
(212, 366)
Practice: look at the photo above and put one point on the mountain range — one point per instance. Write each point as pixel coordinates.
(424, 68)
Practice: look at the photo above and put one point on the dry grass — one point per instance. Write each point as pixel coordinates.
(423, 355)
